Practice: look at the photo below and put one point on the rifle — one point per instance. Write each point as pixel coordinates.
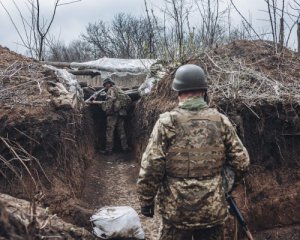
(96, 102)
(94, 95)
(234, 209)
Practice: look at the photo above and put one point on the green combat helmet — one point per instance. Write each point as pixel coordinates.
(108, 80)
(189, 77)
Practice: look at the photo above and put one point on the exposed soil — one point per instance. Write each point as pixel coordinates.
(77, 181)
(43, 135)
(259, 91)
(111, 181)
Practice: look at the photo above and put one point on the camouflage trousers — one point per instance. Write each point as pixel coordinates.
(169, 232)
(113, 122)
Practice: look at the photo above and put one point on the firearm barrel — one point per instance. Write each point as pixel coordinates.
(239, 216)
(95, 94)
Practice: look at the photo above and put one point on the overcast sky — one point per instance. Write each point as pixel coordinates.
(71, 20)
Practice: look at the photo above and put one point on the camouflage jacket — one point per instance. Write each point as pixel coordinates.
(182, 165)
(116, 102)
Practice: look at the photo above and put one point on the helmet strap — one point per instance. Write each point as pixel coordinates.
(206, 98)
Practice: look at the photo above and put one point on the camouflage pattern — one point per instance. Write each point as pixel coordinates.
(169, 232)
(203, 152)
(183, 162)
(117, 102)
(115, 122)
(115, 108)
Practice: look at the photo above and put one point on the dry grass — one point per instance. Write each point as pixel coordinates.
(17, 160)
(246, 71)
(21, 83)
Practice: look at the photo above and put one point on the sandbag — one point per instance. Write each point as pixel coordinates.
(117, 222)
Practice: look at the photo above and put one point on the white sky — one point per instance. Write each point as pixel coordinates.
(71, 20)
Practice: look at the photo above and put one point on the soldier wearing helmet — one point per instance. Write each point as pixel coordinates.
(115, 107)
(182, 164)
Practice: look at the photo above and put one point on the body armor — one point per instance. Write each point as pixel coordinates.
(202, 156)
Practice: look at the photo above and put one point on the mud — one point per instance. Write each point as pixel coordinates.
(111, 181)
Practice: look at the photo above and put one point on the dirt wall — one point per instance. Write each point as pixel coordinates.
(44, 133)
(267, 124)
(270, 197)
(57, 145)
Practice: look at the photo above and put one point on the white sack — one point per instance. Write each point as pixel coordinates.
(117, 222)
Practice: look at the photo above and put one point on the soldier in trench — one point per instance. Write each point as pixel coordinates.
(115, 107)
(183, 161)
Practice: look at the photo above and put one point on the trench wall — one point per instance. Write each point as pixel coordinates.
(60, 140)
(270, 196)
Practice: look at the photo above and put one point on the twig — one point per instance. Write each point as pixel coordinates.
(18, 157)
(279, 149)
(22, 84)
(36, 160)
(26, 135)
(235, 7)
(7, 163)
(251, 110)
(216, 65)
(61, 4)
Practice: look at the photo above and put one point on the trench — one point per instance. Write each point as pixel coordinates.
(111, 180)
(67, 143)
(269, 189)
(269, 200)
(269, 197)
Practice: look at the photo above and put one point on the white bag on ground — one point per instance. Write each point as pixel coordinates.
(117, 222)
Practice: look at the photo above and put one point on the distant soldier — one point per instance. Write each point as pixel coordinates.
(182, 164)
(115, 107)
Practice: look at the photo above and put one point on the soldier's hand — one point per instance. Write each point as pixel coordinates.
(147, 211)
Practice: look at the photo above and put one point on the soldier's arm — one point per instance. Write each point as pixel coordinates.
(237, 155)
(153, 163)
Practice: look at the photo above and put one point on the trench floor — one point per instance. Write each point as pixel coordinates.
(111, 181)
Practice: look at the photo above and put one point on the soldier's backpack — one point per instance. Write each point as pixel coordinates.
(122, 103)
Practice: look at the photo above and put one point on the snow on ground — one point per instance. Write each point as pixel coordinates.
(117, 65)
(68, 88)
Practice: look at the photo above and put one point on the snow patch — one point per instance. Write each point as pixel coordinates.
(68, 79)
(157, 72)
(116, 65)
(68, 91)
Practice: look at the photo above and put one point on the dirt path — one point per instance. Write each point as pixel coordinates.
(111, 181)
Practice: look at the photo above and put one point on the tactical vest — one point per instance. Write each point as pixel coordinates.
(122, 103)
(197, 150)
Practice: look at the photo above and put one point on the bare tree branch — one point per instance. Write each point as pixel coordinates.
(61, 4)
(13, 22)
(245, 20)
